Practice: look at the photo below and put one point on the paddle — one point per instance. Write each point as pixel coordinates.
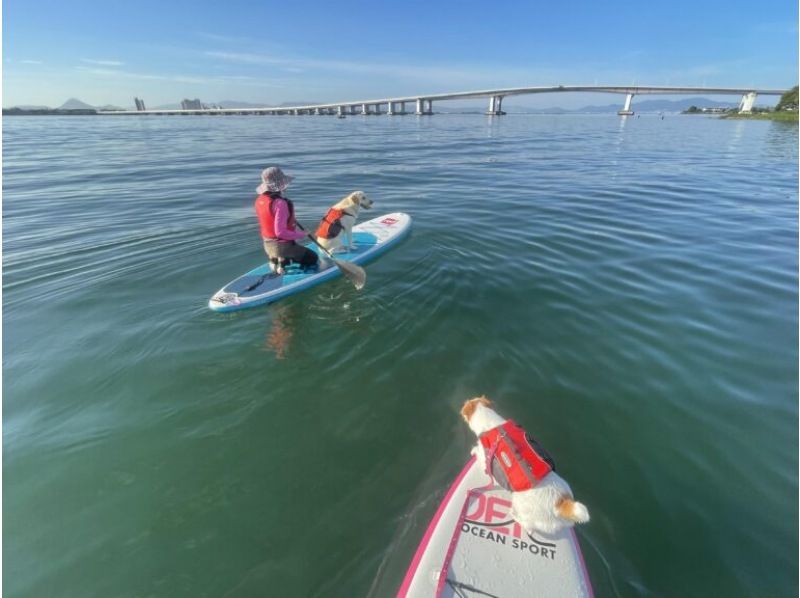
(352, 272)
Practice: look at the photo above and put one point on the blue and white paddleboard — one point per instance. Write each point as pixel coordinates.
(259, 286)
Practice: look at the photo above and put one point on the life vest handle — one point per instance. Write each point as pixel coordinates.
(512, 445)
(489, 458)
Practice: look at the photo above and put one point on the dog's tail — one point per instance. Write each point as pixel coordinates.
(572, 510)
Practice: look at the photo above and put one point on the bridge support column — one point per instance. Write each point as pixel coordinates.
(390, 109)
(377, 108)
(340, 111)
(495, 106)
(364, 109)
(746, 105)
(626, 110)
(424, 107)
(402, 107)
(296, 112)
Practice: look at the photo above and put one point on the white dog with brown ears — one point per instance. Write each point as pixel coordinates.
(339, 221)
(540, 499)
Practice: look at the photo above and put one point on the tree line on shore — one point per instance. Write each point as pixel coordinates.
(787, 105)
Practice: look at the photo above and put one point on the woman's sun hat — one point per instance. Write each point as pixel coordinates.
(273, 180)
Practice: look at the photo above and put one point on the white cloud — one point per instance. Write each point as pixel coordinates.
(30, 62)
(102, 62)
(246, 58)
(423, 74)
(178, 78)
(226, 39)
(779, 27)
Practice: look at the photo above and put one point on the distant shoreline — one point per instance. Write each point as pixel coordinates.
(719, 112)
(49, 112)
(776, 116)
(554, 112)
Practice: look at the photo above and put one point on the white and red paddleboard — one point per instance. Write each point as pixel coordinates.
(473, 547)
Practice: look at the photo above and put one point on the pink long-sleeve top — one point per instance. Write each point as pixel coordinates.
(282, 230)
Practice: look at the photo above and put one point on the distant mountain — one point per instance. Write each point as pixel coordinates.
(441, 109)
(655, 105)
(74, 104)
(652, 105)
(235, 104)
(637, 106)
(662, 105)
(301, 103)
(31, 107)
(224, 104)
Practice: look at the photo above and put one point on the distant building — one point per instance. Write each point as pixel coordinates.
(191, 105)
(139, 104)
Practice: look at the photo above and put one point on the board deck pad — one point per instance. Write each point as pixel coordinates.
(260, 286)
(490, 554)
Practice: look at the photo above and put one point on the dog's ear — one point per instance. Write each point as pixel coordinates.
(484, 400)
(471, 405)
(572, 510)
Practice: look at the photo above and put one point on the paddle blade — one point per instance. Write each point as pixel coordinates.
(354, 273)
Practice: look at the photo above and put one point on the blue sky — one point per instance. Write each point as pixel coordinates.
(272, 52)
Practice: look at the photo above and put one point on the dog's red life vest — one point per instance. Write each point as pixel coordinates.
(514, 459)
(331, 224)
(265, 210)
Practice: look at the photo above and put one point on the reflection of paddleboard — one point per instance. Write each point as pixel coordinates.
(487, 553)
(259, 286)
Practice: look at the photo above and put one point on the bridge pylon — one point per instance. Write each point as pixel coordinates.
(495, 106)
(746, 105)
(626, 110)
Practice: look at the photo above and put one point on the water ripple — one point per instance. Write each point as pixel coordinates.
(627, 288)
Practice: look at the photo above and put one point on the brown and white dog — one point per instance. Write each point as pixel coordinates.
(545, 504)
(338, 222)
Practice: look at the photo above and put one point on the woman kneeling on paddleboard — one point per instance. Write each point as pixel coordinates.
(278, 226)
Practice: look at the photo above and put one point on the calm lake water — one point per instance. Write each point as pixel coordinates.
(625, 288)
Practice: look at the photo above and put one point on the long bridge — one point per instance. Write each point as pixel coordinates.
(423, 104)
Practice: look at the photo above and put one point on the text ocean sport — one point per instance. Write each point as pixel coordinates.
(489, 518)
